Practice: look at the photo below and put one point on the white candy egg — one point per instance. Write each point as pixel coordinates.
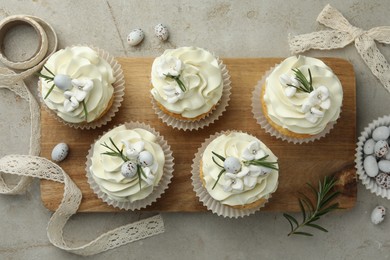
(381, 148)
(135, 37)
(232, 164)
(161, 32)
(145, 158)
(63, 82)
(387, 156)
(378, 215)
(129, 169)
(381, 133)
(384, 165)
(59, 152)
(369, 146)
(371, 166)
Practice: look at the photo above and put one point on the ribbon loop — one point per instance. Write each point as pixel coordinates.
(344, 33)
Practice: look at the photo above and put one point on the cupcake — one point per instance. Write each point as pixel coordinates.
(81, 87)
(300, 99)
(130, 166)
(188, 83)
(237, 171)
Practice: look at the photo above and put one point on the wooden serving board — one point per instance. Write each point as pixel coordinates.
(298, 163)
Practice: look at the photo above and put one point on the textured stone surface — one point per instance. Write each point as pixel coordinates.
(230, 29)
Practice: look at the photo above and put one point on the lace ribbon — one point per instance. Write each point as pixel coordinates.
(344, 33)
(31, 166)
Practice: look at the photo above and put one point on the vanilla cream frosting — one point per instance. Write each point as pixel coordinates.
(81, 64)
(289, 109)
(250, 183)
(200, 73)
(106, 170)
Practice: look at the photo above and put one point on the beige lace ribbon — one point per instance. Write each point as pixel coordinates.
(31, 166)
(344, 33)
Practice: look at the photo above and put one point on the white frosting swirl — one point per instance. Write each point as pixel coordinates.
(252, 185)
(200, 73)
(106, 170)
(286, 111)
(80, 63)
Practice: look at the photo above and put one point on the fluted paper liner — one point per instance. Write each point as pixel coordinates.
(258, 114)
(367, 181)
(119, 91)
(157, 191)
(211, 117)
(201, 192)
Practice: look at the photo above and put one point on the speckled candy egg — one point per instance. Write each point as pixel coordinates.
(129, 169)
(370, 166)
(232, 164)
(63, 82)
(381, 133)
(378, 215)
(59, 152)
(161, 32)
(383, 180)
(135, 37)
(369, 146)
(145, 158)
(381, 148)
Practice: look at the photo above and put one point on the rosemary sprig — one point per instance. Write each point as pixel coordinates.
(261, 162)
(222, 170)
(306, 85)
(114, 151)
(178, 81)
(50, 90)
(312, 212)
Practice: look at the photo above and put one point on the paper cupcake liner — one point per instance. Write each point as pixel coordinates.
(119, 91)
(201, 192)
(258, 114)
(211, 117)
(157, 191)
(367, 181)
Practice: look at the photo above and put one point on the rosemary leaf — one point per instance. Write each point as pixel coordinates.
(48, 70)
(302, 209)
(317, 227)
(85, 110)
(303, 233)
(219, 156)
(50, 90)
(219, 176)
(216, 162)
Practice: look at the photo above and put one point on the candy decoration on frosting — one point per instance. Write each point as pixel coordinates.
(171, 67)
(244, 173)
(136, 160)
(318, 99)
(75, 90)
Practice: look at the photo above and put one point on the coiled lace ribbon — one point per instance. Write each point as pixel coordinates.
(31, 166)
(344, 33)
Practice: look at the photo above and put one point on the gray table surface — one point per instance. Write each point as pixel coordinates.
(231, 29)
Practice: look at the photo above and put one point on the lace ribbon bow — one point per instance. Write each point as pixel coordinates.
(344, 33)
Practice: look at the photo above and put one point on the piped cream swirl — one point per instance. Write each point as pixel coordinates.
(234, 144)
(287, 111)
(106, 170)
(201, 75)
(81, 63)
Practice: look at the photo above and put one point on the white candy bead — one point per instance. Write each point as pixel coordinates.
(369, 146)
(381, 148)
(129, 169)
(145, 158)
(387, 156)
(378, 215)
(384, 165)
(59, 152)
(135, 37)
(232, 164)
(63, 82)
(161, 32)
(371, 166)
(381, 133)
